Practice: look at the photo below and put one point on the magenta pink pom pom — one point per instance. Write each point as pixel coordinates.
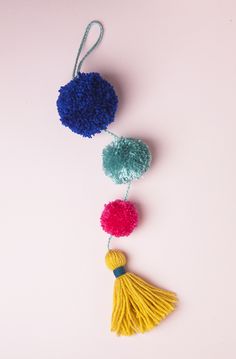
(119, 218)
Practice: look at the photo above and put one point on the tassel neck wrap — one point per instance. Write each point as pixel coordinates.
(119, 271)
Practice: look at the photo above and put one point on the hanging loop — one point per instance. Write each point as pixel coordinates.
(78, 63)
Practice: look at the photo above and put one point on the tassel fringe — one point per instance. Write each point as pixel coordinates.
(137, 305)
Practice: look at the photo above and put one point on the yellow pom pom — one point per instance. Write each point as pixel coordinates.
(115, 259)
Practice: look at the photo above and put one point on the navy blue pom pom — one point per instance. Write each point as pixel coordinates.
(87, 104)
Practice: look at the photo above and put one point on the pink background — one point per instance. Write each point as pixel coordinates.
(173, 65)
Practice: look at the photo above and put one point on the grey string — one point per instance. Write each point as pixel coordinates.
(109, 242)
(127, 192)
(112, 134)
(78, 62)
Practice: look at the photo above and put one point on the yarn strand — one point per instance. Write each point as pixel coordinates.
(109, 242)
(112, 133)
(127, 192)
(78, 63)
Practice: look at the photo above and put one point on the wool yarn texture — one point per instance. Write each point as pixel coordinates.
(87, 104)
(126, 159)
(119, 218)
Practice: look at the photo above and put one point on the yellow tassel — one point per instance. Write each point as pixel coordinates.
(137, 305)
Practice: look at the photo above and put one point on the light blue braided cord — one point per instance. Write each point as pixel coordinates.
(78, 63)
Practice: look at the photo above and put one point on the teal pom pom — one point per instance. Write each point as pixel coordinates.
(126, 159)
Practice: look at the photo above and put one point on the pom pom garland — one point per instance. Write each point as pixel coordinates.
(126, 159)
(119, 218)
(87, 104)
